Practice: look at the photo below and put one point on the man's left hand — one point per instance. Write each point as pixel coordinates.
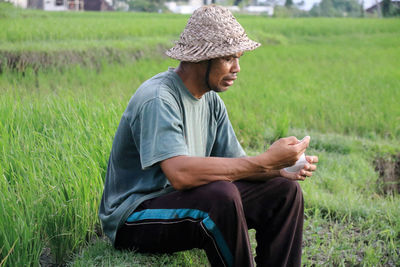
(305, 172)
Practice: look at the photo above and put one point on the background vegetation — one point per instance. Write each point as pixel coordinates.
(286, 8)
(65, 79)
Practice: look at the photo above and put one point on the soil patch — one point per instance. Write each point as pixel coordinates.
(20, 61)
(389, 171)
(47, 260)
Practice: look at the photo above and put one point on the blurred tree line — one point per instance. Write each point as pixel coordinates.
(146, 5)
(389, 9)
(286, 8)
(337, 8)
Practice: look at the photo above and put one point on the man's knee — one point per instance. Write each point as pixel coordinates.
(291, 186)
(291, 190)
(223, 192)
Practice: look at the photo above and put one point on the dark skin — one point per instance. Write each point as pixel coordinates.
(186, 172)
(222, 75)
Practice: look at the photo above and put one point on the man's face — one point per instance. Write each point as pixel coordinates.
(223, 72)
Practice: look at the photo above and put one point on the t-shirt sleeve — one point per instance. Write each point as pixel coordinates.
(158, 132)
(226, 143)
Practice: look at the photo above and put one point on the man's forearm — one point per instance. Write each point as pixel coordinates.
(185, 172)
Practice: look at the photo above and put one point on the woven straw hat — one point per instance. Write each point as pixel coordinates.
(212, 31)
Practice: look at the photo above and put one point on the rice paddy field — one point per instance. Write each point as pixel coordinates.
(65, 79)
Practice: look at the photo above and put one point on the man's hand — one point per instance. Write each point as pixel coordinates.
(186, 172)
(284, 152)
(305, 172)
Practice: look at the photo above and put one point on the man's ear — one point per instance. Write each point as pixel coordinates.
(201, 66)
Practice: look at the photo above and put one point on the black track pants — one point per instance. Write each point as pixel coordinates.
(216, 217)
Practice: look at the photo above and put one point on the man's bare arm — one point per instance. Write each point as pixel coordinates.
(185, 172)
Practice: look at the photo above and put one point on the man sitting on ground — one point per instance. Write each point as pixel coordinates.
(177, 176)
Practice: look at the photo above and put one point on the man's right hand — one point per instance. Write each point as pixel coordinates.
(186, 172)
(284, 152)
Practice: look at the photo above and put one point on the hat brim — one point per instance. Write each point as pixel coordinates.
(198, 53)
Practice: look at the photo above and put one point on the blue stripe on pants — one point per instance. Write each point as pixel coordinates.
(167, 214)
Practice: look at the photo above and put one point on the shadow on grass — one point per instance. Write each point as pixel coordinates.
(101, 253)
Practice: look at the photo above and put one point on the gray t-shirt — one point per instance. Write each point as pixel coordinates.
(162, 120)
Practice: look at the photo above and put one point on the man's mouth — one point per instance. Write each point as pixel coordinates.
(229, 81)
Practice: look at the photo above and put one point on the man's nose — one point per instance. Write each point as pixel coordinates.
(235, 66)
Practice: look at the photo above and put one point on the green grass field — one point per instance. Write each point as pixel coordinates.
(65, 79)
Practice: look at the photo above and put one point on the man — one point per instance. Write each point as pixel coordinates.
(177, 176)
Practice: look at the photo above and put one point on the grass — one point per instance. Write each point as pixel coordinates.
(101, 253)
(336, 80)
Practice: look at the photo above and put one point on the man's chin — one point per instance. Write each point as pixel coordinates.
(220, 89)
